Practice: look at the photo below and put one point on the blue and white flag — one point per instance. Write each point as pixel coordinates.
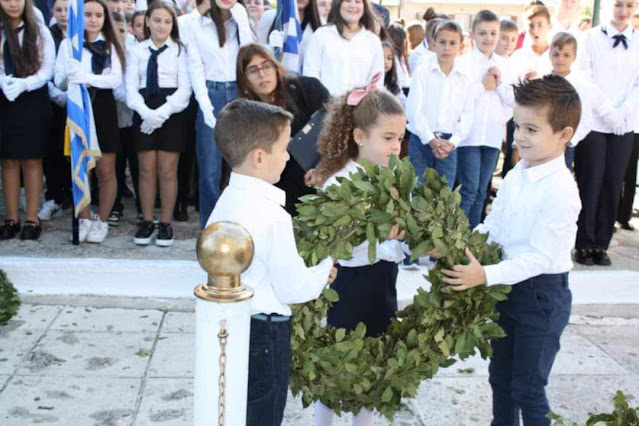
(83, 141)
(289, 23)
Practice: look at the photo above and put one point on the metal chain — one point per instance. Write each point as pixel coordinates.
(223, 336)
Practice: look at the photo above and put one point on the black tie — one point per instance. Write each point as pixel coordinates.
(152, 83)
(9, 65)
(620, 39)
(100, 58)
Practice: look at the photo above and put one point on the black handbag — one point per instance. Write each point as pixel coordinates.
(304, 144)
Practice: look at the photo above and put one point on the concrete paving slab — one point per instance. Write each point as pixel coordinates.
(619, 342)
(579, 356)
(73, 401)
(68, 354)
(178, 322)
(99, 320)
(32, 318)
(166, 401)
(173, 356)
(13, 347)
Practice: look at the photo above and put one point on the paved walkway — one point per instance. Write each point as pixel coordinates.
(77, 365)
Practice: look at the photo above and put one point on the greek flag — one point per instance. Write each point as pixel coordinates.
(289, 22)
(83, 141)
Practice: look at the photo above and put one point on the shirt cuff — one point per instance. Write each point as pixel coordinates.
(493, 274)
(455, 140)
(428, 136)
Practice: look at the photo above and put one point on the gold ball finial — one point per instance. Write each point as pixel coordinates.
(224, 251)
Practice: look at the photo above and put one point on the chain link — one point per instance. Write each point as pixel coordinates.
(223, 336)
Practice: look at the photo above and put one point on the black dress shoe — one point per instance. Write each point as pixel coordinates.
(9, 229)
(627, 226)
(31, 230)
(180, 214)
(584, 257)
(600, 257)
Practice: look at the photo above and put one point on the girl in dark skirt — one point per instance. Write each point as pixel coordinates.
(101, 70)
(364, 124)
(28, 57)
(158, 90)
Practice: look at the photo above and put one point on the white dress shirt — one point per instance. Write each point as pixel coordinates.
(440, 104)
(403, 76)
(525, 60)
(534, 218)
(391, 250)
(493, 108)
(614, 70)
(46, 48)
(419, 55)
(110, 78)
(172, 74)
(278, 273)
(340, 64)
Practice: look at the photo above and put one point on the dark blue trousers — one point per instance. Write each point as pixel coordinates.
(269, 372)
(534, 317)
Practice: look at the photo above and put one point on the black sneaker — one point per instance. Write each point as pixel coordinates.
(165, 235)
(180, 214)
(9, 229)
(145, 232)
(584, 257)
(600, 257)
(114, 218)
(31, 230)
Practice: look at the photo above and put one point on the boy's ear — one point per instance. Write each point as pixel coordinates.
(566, 135)
(256, 158)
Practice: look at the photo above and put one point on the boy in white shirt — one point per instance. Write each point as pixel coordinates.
(440, 106)
(532, 61)
(534, 219)
(277, 274)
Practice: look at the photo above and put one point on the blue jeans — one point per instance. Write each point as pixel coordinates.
(422, 158)
(570, 157)
(533, 317)
(209, 159)
(475, 166)
(269, 372)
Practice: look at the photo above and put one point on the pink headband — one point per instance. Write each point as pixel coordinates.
(356, 96)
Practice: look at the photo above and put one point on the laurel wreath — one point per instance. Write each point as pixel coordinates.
(346, 370)
(9, 299)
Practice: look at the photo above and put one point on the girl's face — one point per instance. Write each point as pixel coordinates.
(381, 140)
(389, 57)
(13, 8)
(138, 27)
(160, 24)
(225, 4)
(255, 9)
(261, 75)
(352, 11)
(324, 7)
(94, 15)
(301, 4)
(129, 6)
(61, 13)
(486, 35)
(622, 11)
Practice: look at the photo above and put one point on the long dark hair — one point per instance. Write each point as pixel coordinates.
(397, 36)
(390, 76)
(281, 95)
(311, 16)
(216, 16)
(26, 57)
(175, 32)
(108, 30)
(335, 17)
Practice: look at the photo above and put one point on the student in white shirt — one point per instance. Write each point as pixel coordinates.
(532, 60)
(491, 84)
(28, 54)
(534, 219)
(566, 17)
(137, 24)
(101, 70)
(253, 137)
(391, 81)
(397, 36)
(425, 52)
(213, 34)
(609, 54)
(440, 106)
(372, 122)
(255, 10)
(345, 53)
(158, 90)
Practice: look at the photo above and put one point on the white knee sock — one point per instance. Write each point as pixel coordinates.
(363, 418)
(324, 416)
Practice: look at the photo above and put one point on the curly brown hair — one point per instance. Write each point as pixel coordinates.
(336, 142)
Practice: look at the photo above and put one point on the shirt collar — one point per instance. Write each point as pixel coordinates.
(479, 54)
(257, 188)
(611, 31)
(149, 43)
(536, 173)
(434, 66)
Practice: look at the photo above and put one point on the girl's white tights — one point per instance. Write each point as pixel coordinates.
(324, 416)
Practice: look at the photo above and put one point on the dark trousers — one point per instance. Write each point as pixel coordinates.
(269, 372)
(629, 187)
(508, 148)
(601, 161)
(57, 168)
(121, 159)
(187, 164)
(533, 317)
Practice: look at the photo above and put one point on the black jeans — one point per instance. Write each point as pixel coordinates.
(533, 317)
(269, 372)
(629, 188)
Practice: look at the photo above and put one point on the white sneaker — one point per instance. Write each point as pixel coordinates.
(84, 228)
(99, 231)
(48, 210)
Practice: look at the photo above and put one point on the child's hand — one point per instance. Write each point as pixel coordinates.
(489, 81)
(312, 178)
(331, 276)
(531, 75)
(464, 277)
(395, 233)
(440, 147)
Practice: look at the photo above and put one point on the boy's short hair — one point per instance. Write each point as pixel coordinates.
(431, 26)
(483, 16)
(563, 39)
(449, 26)
(538, 11)
(244, 125)
(554, 92)
(506, 25)
(416, 33)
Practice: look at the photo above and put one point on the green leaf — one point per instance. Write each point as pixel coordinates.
(387, 395)
(367, 187)
(340, 333)
(331, 295)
